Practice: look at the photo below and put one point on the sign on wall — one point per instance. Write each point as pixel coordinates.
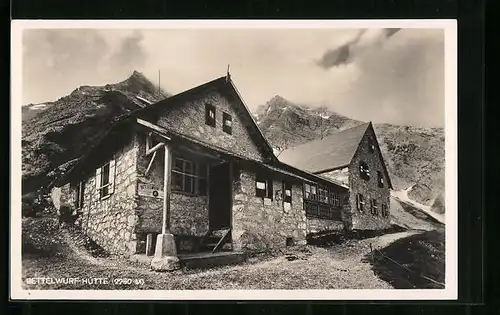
(149, 190)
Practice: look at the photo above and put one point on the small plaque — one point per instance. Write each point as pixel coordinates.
(149, 190)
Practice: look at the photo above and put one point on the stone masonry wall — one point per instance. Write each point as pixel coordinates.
(188, 214)
(369, 189)
(111, 222)
(259, 224)
(315, 225)
(189, 119)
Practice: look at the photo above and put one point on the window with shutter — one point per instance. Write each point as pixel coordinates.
(105, 179)
(360, 202)
(227, 123)
(364, 171)
(380, 179)
(210, 115)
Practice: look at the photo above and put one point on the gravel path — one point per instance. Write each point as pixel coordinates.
(341, 266)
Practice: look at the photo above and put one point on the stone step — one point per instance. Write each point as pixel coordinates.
(210, 260)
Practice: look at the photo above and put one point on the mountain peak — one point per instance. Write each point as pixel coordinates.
(138, 83)
(136, 74)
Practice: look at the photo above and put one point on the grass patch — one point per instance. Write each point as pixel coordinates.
(414, 262)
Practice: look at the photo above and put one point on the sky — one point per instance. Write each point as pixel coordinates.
(380, 75)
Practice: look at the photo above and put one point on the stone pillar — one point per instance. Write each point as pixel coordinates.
(165, 258)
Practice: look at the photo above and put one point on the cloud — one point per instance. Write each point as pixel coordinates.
(391, 31)
(383, 75)
(340, 55)
(397, 79)
(130, 52)
(53, 59)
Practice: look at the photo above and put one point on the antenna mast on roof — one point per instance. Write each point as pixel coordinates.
(228, 76)
(159, 82)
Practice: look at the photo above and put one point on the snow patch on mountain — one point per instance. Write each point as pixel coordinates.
(402, 195)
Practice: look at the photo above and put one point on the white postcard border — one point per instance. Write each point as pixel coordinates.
(451, 157)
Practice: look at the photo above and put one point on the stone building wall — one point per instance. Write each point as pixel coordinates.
(369, 188)
(259, 224)
(111, 222)
(315, 225)
(189, 119)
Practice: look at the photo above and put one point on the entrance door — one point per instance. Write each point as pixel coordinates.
(220, 197)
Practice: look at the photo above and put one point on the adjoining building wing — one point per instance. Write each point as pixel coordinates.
(332, 152)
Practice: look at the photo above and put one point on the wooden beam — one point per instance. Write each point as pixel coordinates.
(155, 148)
(162, 131)
(166, 189)
(150, 163)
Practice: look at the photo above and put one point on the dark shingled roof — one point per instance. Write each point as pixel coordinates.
(334, 151)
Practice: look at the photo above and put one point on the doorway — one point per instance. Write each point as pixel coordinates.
(220, 197)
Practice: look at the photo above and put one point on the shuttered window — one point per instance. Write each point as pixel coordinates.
(105, 179)
(227, 123)
(380, 179)
(360, 203)
(210, 115)
(373, 207)
(385, 213)
(364, 171)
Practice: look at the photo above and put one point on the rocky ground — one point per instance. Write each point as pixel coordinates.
(343, 266)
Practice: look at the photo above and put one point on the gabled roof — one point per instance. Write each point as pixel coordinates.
(223, 84)
(332, 152)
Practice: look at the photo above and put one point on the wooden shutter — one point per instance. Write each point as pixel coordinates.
(98, 178)
(112, 168)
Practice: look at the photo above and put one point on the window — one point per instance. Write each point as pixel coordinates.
(371, 145)
(227, 123)
(105, 178)
(364, 171)
(360, 203)
(79, 195)
(210, 115)
(334, 199)
(380, 179)
(264, 187)
(287, 192)
(373, 207)
(385, 213)
(189, 177)
(310, 192)
(322, 195)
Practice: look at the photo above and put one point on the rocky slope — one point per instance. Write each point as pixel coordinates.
(55, 134)
(414, 156)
